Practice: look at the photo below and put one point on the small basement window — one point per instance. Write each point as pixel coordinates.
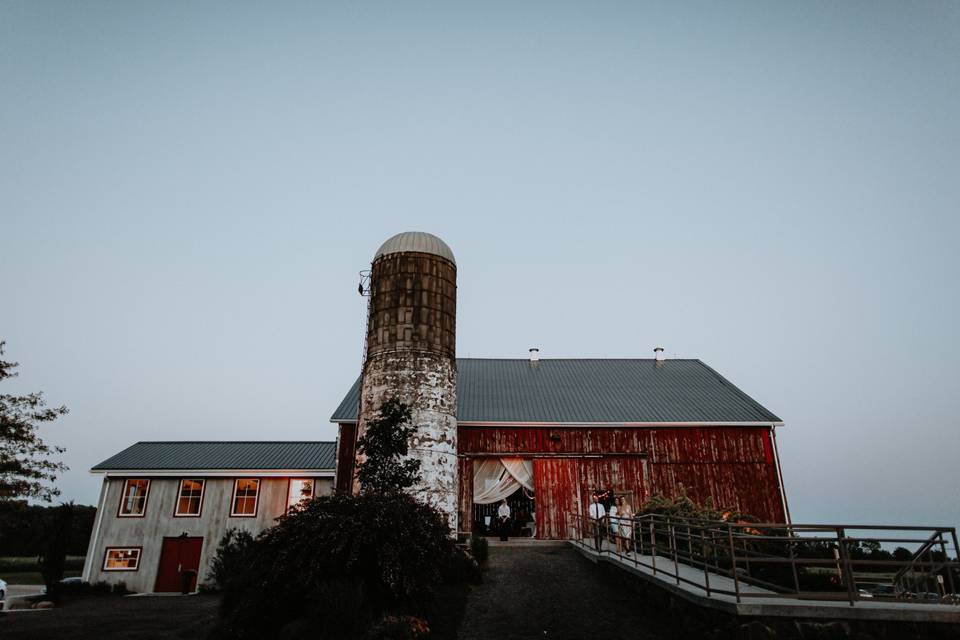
(300, 489)
(122, 559)
(190, 499)
(133, 503)
(245, 493)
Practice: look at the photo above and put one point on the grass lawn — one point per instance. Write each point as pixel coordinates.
(16, 570)
(32, 577)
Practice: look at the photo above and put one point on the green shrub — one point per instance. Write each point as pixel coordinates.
(100, 588)
(479, 548)
(231, 555)
(460, 568)
(339, 563)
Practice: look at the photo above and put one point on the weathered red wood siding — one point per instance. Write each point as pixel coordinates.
(556, 484)
(345, 458)
(733, 465)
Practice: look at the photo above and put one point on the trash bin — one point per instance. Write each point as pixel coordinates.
(186, 581)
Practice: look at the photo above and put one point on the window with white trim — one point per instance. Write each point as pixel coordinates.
(245, 494)
(190, 498)
(122, 559)
(300, 489)
(134, 499)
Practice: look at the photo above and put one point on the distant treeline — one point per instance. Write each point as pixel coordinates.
(23, 529)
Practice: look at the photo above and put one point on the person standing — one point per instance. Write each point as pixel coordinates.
(597, 513)
(503, 514)
(614, 514)
(626, 524)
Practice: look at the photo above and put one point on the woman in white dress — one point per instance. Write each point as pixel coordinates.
(626, 524)
(614, 514)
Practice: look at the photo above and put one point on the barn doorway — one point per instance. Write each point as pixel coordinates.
(522, 516)
(498, 479)
(179, 564)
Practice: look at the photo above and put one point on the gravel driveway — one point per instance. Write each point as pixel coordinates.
(553, 593)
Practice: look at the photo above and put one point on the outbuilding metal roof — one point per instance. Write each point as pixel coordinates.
(175, 456)
(416, 241)
(592, 391)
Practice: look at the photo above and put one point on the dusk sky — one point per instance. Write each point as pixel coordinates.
(187, 192)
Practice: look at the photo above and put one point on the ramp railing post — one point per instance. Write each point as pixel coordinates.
(946, 564)
(673, 547)
(653, 546)
(706, 569)
(793, 563)
(847, 567)
(733, 561)
(956, 554)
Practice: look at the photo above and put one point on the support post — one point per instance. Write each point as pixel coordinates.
(706, 569)
(673, 546)
(653, 546)
(847, 567)
(733, 560)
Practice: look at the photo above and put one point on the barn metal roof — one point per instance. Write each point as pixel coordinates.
(592, 391)
(416, 241)
(251, 455)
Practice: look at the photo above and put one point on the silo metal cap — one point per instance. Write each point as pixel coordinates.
(418, 242)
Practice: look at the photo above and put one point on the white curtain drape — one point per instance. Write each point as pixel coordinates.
(494, 480)
(521, 470)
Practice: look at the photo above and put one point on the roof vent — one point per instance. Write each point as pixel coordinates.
(658, 354)
(534, 355)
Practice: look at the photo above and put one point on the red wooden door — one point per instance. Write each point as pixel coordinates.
(178, 556)
(557, 489)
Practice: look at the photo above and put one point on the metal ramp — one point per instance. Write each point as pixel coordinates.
(818, 571)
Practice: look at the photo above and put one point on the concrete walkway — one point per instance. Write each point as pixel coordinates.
(549, 591)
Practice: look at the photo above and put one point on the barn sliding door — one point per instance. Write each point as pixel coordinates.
(557, 490)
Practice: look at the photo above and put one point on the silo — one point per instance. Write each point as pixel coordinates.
(411, 355)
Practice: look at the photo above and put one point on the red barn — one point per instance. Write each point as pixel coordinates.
(547, 433)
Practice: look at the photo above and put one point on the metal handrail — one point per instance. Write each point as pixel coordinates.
(776, 560)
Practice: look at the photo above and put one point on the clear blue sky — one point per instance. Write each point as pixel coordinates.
(188, 190)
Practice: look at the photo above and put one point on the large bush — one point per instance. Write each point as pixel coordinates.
(682, 506)
(348, 566)
(339, 564)
(231, 555)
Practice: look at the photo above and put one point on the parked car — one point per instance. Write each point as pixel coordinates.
(66, 582)
(3, 589)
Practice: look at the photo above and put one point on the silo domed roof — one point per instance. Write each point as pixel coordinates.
(416, 241)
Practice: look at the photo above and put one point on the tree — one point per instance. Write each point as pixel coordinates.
(58, 540)
(26, 464)
(384, 445)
